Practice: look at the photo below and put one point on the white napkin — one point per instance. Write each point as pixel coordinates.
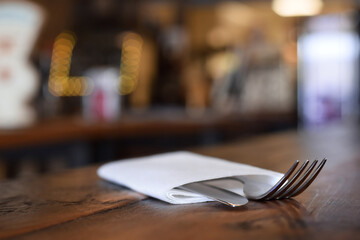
(158, 175)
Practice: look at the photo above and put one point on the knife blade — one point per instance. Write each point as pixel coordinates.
(218, 194)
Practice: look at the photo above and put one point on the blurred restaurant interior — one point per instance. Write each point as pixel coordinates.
(88, 81)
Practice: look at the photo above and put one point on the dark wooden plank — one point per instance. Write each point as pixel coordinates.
(75, 128)
(153, 219)
(32, 204)
(329, 209)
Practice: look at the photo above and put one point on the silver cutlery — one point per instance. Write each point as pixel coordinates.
(256, 187)
(261, 187)
(218, 194)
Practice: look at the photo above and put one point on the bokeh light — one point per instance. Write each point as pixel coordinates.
(60, 83)
(130, 62)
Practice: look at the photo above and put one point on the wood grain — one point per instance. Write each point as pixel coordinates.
(76, 205)
(31, 204)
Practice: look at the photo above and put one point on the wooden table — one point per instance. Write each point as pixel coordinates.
(78, 205)
(131, 125)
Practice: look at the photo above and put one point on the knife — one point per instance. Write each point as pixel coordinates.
(218, 194)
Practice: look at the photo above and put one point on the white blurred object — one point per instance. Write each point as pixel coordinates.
(20, 23)
(268, 89)
(293, 8)
(104, 102)
(329, 70)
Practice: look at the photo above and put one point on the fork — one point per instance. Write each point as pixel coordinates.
(260, 187)
(286, 187)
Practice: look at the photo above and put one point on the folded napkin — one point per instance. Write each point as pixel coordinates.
(159, 175)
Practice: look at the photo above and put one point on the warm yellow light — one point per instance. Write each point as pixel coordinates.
(235, 13)
(130, 62)
(60, 83)
(292, 8)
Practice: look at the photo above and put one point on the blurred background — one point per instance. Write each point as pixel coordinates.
(89, 81)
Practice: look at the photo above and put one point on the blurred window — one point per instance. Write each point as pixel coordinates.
(328, 75)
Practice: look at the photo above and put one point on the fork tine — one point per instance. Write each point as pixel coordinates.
(310, 180)
(299, 182)
(290, 182)
(279, 183)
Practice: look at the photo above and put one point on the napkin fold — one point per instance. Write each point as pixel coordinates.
(159, 175)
